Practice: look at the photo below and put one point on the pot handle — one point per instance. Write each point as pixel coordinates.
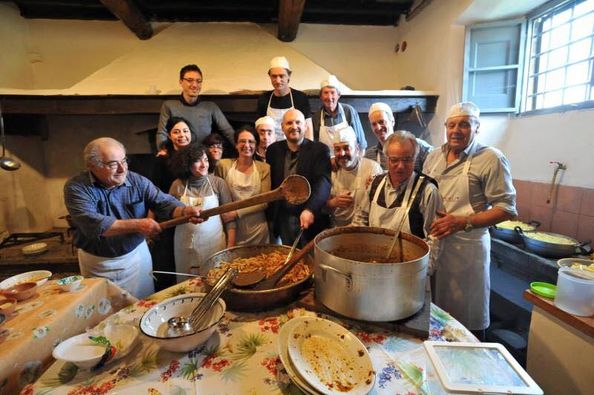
(520, 232)
(585, 247)
(348, 276)
(534, 223)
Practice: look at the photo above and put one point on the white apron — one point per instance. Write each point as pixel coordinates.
(251, 228)
(194, 243)
(462, 283)
(277, 114)
(390, 217)
(131, 271)
(343, 216)
(327, 132)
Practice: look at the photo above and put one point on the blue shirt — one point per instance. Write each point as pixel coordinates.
(94, 209)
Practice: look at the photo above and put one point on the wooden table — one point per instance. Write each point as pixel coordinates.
(560, 348)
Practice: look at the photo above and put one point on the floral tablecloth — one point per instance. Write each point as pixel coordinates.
(242, 358)
(29, 335)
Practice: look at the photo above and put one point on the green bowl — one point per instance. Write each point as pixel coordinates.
(546, 290)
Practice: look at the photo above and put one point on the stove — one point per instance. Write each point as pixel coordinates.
(28, 237)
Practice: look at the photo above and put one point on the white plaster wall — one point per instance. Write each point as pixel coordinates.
(15, 70)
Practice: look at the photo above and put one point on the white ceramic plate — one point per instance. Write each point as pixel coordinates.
(283, 352)
(34, 249)
(38, 276)
(330, 358)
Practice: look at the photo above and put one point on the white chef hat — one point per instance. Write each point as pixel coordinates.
(280, 61)
(265, 120)
(331, 81)
(345, 135)
(464, 109)
(381, 107)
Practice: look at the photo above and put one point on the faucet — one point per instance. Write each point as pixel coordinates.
(560, 166)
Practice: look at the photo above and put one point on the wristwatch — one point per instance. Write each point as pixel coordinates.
(468, 227)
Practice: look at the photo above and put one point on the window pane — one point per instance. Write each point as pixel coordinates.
(561, 17)
(580, 50)
(560, 36)
(557, 58)
(582, 27)
(544, 42)
(583, 8)
(574, 94)
(539, 102)
(555, 79)
(541, 82)
(552, 99)
(577, 73)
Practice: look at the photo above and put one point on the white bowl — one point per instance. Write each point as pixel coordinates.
(79, 350)
(154, 322)
(38, 276)
(70, 283)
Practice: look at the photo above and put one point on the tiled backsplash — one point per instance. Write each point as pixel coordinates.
(570, 211)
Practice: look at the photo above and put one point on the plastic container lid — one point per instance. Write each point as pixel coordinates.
(546, 290)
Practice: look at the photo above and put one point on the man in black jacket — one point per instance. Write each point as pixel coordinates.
(298, 155)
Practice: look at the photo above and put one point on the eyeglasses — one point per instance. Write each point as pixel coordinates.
(192, 80)
(113, 164)
(217, 146)
(405, 160)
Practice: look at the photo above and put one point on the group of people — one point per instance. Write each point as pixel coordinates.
(462, 188)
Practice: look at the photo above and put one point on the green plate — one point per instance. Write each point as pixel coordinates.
(544, 289)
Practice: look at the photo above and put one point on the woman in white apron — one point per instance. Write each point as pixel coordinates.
(246, 178)
(193, 244)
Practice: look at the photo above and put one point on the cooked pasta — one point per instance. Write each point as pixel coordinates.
(267, 262)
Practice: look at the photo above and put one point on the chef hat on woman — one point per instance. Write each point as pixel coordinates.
(345, 135)
(265, 120)
(280, 61)
(468, 109)
(381, 107)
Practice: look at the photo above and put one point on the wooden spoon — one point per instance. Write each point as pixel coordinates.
(295, 189)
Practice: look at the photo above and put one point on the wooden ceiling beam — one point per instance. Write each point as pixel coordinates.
(128, 12)
(289, 17)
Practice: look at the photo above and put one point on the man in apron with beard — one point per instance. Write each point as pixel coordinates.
(109, 206)
(388, 197)
(333, 116)
(475, 184)
(277, 102)
(351, 178)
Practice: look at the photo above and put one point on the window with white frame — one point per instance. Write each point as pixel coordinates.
(543, 63)
(560, 57)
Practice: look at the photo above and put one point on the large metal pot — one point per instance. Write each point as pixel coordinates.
(347, 282)
(507, 231)
(252, 300)
(551, 249)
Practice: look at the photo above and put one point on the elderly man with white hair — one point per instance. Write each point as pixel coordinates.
(382, 123)
(282, 98)
(352, 176)
(265, 129)
(475, 184)
(333, 116)
(109, 206)
(386, 200)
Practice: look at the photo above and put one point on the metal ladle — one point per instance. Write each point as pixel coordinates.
(5, 162)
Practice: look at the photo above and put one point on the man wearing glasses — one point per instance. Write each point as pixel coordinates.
(201, 114)
(109, 205)
(475, 184)
(388, 197)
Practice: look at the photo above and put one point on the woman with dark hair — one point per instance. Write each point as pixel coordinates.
(195, 187)
(246, 178)
(179, 135)
(214, 150)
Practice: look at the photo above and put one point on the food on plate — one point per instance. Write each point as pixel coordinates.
(581, 266)
(268, 262)
(511, 225)
(550, 238)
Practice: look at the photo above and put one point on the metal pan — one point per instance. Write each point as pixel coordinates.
(511, 235)
(254, 300)
(551, 249)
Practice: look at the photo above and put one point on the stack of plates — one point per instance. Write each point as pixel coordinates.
(36, 276)
(322, 357)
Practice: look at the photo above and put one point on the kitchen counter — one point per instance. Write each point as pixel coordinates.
(560, 348)
(59, 258)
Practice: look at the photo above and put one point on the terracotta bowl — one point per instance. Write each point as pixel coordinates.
(7, 305)
(21, 291)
